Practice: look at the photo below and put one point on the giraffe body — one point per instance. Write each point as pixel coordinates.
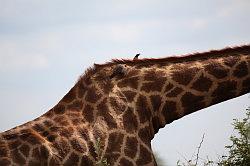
(112, 120)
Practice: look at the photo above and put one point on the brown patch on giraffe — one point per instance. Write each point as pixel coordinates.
(44, 152)
(72, 160)
(92, 95)
(130, 122)
(59, 109)
(76, 121)
(32, 137)
(2, 141)
(86, 77)
(117, 105)
(54, 129)
(4, 162)
(169, 111)
(130, 148)
(154, 75)
(130, 95)
(133, 72)
(157, 80)
(79, 147)
(92, 150)
(86, 161)
(168, 87)
(24, 136)
(38, 127)
(125, 162)
(227, 88)
(3, 151)
(76, 105)
(48, 123)
(102, 110)
(87, 80)
(202, 84)
(49, 114)
(144, 135)
(34, 162)
(151, 87)
(191, 102)
(62, 147)
(106, 85)
(66, 132)
(70, 96)
(36, 153)
(61, 121)
(24, 149)
(183, 74)
(145, 156)
(129, 82)
(115, 141)
(88, 113)
(156, 124)
(45, 133)
(14, 144)
(51, 138)
(231, 60)
(81, 90)
(155, 102)
(11, 136)
(241, 70)
(174, 92)
(143, 109)
(54, 161)
(17, 157)
(217, 70)
(246, 82)
(83, 133)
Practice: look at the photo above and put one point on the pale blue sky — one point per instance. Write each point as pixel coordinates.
(46, 45)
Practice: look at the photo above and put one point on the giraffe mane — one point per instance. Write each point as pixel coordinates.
(170, 59)
(181, 58)
(87, 74)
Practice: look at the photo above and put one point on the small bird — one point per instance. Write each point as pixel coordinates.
(136, 56)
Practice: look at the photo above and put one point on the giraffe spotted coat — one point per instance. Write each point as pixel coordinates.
(111, 115)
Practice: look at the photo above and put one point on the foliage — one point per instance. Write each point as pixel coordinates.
(239, 151)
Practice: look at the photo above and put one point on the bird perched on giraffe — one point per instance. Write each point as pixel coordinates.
(136, 57)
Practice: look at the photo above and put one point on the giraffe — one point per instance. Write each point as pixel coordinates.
(114, 110)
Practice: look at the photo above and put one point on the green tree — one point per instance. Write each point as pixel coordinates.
(239, 151)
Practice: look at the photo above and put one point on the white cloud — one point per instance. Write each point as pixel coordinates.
(14, 57)
(16, 8)
(233, 7)
(11, 62)
(199, 23)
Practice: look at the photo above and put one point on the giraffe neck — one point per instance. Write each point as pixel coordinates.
(185, 85)
(158, 91)
(114, 110)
